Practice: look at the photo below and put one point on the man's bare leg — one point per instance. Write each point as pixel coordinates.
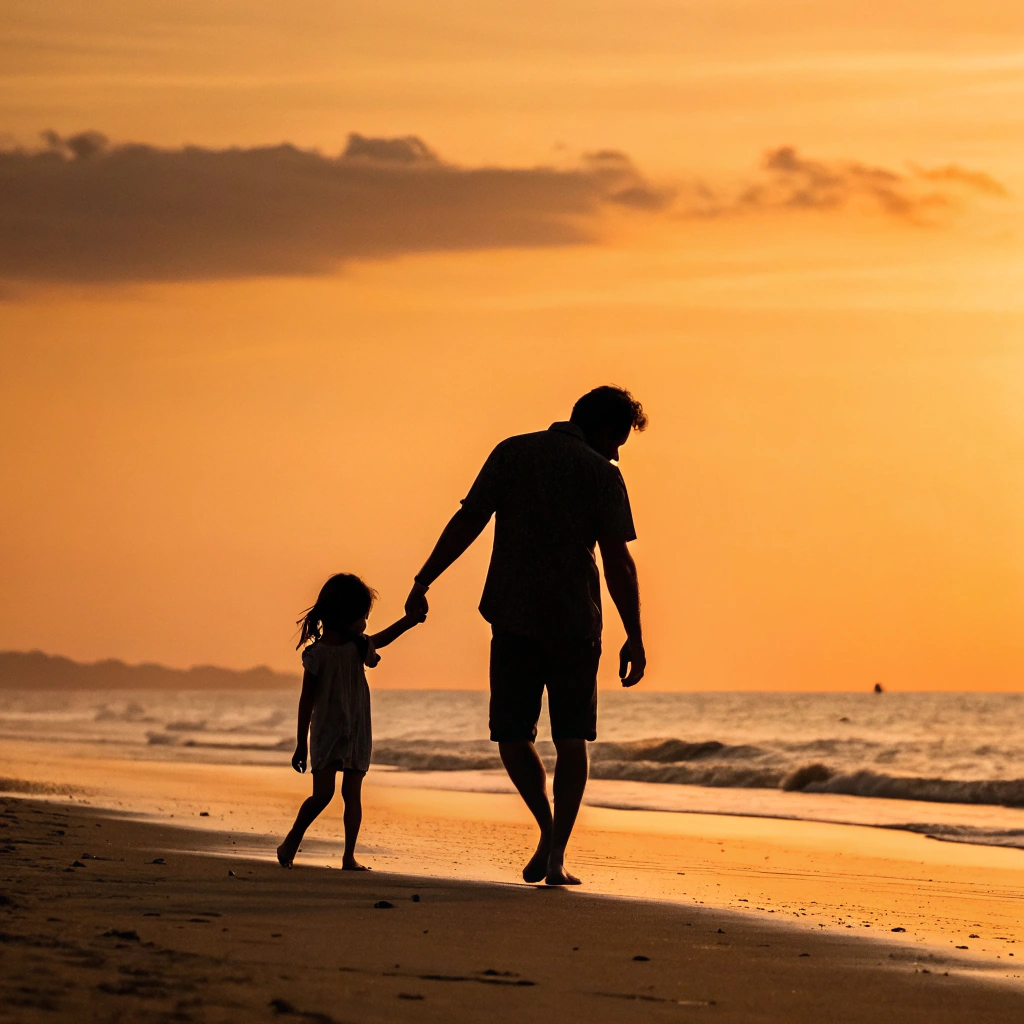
(570, 781)
(526, 770)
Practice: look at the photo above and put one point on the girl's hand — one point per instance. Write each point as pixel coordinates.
(299, 759)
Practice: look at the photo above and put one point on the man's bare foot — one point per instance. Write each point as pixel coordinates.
(557, 875)
(351, 864)
(285, 856)
(537, 867)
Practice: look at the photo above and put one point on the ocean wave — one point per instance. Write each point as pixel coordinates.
(1004, 792)
(170, 739)
(1011, 838)
(820, 778)
(715, 764)
(673, 751)
(440, 756)
(134, 713)
(716, 774)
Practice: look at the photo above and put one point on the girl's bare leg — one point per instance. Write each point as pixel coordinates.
(323, 793)
(351, 791)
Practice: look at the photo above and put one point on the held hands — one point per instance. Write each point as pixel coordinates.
(416, 606)
(632, 662)
(299, 758)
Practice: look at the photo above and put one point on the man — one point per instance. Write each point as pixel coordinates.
(555, 494)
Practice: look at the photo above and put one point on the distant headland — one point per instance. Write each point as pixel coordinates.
(20, 670)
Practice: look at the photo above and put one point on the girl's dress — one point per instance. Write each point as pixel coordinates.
(340, 734)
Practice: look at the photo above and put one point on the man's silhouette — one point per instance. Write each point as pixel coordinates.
(555, 494)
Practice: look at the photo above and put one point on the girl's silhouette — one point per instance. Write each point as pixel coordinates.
(334, 707)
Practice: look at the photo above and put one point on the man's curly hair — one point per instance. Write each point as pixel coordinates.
(609, 408)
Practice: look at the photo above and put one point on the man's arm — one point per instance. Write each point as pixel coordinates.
(620, 575)
(463, 528)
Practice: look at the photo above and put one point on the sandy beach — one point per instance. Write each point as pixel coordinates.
(152, 923)
(806, 910)
(112, 919)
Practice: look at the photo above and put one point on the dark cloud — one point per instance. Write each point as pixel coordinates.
(81, 146)
(408, 149)
(789, 181)
(85, 210)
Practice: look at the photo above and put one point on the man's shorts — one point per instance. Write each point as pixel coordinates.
(523, 666)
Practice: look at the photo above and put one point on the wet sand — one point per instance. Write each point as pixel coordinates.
(807, 910)
(817, 876)
(106, 918)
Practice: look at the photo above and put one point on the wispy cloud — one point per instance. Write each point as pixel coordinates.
(84, 210)
(789, 181)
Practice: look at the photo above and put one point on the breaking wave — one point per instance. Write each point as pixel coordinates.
(1011, 838)
(787, 767)
(949, 764)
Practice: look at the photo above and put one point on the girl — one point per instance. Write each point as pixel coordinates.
(334, 706)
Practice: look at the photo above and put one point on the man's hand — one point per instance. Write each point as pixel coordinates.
(632, 662)
(299, 759)
(416, 606)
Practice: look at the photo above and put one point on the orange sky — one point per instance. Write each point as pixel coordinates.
(830, 492)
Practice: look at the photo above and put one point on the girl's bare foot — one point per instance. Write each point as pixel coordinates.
(351, 864)
(285, 856)
(557, 875)
(537, 867)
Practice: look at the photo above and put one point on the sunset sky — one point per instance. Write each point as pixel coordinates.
(250, 351)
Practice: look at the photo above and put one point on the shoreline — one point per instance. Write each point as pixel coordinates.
(999, 826)
(821, 877)
(159, 919)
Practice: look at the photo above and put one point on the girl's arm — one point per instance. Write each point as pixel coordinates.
(395, 630)
(301, 755)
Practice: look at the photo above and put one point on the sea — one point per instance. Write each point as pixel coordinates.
(946, 765)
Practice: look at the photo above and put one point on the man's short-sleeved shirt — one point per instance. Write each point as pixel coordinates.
(553, 498)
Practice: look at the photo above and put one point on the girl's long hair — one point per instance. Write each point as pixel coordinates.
(343, 599)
